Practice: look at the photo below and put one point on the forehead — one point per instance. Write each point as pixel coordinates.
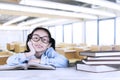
(41, 33)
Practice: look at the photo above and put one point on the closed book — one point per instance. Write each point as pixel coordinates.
(101, 61)
(96, 68)
(104, 58)
(100, 53)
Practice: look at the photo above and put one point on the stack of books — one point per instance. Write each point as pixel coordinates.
(99, 61)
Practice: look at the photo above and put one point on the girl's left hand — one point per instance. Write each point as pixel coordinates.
(34, 61)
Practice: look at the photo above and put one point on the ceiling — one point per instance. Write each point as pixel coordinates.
(6, 15)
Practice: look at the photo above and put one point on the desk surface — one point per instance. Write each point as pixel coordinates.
(59, 74)
(69, 51)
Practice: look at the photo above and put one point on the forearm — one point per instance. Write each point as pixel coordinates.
(16, 59)
(57, 62)
(34, 61)
(28, 54)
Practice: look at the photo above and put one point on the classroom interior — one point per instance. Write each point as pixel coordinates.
(76, 26)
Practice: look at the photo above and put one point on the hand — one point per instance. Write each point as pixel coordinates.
(32, 50)
(34, 61)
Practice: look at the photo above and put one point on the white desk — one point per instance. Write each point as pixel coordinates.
(58, 74)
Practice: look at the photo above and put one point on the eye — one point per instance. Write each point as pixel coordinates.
(35, 38)
(45, 39)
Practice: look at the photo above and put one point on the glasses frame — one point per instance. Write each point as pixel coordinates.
(40, 39)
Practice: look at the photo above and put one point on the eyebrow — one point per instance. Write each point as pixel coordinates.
(40, 36)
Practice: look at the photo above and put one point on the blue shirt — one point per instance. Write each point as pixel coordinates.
(50, 57)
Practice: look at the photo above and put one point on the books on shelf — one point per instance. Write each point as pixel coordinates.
(100, 53)
(96, 68)
(27, 66)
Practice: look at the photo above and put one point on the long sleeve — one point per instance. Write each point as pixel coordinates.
(51, 57)
(16, 59)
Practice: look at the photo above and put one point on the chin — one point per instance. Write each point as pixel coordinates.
(38, 50)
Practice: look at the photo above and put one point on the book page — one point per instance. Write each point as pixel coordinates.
(40, 66)
(14, 67)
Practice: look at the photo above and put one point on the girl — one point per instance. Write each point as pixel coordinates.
(40, 49)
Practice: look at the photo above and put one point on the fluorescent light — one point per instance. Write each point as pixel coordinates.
(15, 20)
(13, 28)
(102, 3)
(55, 5)
(53, 22)
(40, 11)
(33, 21)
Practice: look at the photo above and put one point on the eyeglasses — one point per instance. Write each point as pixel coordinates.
(36, 38)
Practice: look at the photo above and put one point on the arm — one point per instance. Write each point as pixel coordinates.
(20, 58)
(54, 58)
(16, 59)
(58, 61)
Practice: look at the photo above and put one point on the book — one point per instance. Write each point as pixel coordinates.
(104, 58)
(27, 66)
(101, 61)
(96, 68)
(100, 53)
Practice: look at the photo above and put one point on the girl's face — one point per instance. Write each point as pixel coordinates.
(40, 40)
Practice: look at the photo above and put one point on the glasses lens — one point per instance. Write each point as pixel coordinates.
(35, 38)
(45, 39)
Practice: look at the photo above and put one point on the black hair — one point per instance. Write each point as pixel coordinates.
(52, 41)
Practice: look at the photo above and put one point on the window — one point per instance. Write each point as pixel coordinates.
(118, 31)
(59, 34)
(91, 32)
(106, 32)
(68, 33)
(78, 33)
(52, 31)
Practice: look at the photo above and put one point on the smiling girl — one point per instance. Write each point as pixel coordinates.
(40, 49)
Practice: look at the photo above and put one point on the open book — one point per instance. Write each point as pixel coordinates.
(27, 66)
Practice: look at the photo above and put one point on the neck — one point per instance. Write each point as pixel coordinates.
(38, 54)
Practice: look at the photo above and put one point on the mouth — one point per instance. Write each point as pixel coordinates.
(38, 46)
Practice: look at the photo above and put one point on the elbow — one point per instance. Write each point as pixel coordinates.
(63, 64)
